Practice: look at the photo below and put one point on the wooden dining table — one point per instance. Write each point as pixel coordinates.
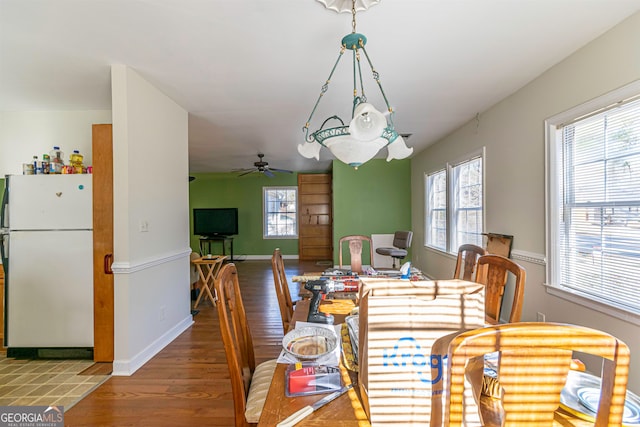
(348, 410)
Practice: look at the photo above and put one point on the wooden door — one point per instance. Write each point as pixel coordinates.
(103, 328)
(315, 217)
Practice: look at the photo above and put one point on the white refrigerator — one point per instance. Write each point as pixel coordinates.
(47, 254)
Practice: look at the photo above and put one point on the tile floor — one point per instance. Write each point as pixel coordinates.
(45, 382)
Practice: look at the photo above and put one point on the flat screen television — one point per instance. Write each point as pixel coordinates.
(215, 221)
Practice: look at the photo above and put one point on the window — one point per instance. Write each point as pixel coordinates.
(436, 226)
(454, 211)
(280, 212)
(594, 203)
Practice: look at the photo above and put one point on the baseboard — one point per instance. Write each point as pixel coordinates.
(262, 257)
(128, 367)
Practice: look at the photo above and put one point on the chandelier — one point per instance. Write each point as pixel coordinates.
(369, 130)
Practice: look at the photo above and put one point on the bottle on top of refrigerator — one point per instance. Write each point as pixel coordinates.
(56, 159)
(45, 163)
(37, 166)
(76, 161)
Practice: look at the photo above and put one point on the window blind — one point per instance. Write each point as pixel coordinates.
(599, 220)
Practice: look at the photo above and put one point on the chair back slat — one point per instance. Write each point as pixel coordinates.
(355, 244)
(493, 273)
(285, 302)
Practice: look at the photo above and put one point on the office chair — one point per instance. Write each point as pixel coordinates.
(401, 241)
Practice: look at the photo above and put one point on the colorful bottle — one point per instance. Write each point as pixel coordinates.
(45, 163)
(76, 161)
(56, 160)
(35, 165)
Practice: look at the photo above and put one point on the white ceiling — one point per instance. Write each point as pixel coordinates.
(249, 71)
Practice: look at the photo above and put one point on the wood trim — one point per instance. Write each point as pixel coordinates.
(103, 304)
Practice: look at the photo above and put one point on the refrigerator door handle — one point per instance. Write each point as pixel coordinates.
(107, 264)
(4, 252)
(5, 205)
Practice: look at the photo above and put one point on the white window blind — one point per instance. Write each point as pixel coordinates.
(597, 246)
(454, 205)
(467, 203)
(436, 220)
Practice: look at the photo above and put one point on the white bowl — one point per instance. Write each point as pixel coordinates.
(309, 342)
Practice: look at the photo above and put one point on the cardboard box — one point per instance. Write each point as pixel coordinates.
(399, 321)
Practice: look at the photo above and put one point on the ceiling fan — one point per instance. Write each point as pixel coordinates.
(261, 167)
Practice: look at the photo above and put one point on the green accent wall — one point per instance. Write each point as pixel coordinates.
(227, 190)
(374, 199)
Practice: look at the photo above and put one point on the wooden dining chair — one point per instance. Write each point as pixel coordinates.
(493, 272)
(533, 364)
(466, 262)
(355, 250)
(285, 302)
(249, 384)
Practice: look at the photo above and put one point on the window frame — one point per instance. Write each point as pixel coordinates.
(265, 212)
(554, 204)
(451, 197)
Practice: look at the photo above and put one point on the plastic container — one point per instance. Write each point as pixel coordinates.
(45, 163)
(56, 160)
(76, 161)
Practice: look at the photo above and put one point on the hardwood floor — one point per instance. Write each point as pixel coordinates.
(187, 383)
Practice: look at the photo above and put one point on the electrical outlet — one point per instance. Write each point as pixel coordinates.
(541, 317)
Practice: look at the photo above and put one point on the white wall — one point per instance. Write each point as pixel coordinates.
(152, 292)
(24, 134)
(513, 133)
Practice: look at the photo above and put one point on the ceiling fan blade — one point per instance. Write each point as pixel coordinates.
(268, 173)
(248, 172)
(281, 170)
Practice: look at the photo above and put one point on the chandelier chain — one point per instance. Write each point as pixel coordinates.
(353, 16)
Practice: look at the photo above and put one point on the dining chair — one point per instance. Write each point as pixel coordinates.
(285, 302)
(534, 359)
(466, 262)
(493, 272)
(249, 383)
(401, 241)
(355, 250)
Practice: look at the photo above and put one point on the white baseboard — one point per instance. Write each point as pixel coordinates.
(261, 257)
(128, 367)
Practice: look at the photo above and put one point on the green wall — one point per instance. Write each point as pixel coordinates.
(227, 190)
(374, 199)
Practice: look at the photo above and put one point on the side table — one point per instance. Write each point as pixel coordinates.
(208, 269)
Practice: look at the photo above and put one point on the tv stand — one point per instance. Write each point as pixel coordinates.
(205, 242)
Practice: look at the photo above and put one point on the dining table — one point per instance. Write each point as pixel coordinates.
(348, 409)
